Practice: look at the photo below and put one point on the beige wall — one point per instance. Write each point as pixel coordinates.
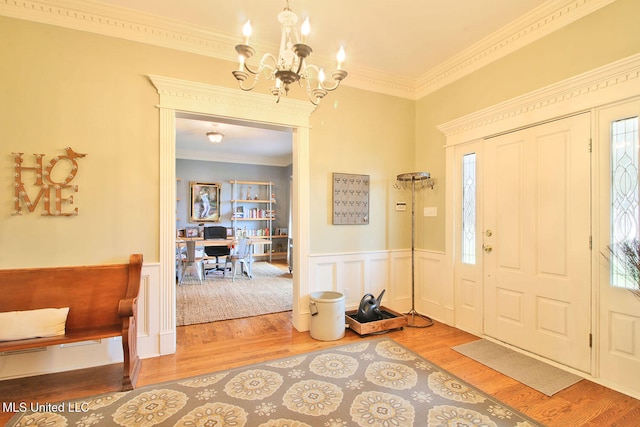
(608, 34)
(363, 133)
(64, 88)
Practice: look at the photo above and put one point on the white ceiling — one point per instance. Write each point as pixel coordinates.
(404, 38)
(398, 40)
(242, 143)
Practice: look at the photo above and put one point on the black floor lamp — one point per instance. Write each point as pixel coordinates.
(405, 181)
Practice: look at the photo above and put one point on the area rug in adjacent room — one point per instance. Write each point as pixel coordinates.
(371, 383)
(220, 298)
(538, 375)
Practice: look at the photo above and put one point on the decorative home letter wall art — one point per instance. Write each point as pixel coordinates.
(52, 184)
(350, 198)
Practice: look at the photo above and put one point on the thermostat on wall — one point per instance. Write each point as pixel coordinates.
(401, 206)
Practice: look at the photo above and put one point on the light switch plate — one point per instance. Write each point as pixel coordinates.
(431, 211)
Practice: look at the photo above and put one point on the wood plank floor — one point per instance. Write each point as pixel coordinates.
(226, 344)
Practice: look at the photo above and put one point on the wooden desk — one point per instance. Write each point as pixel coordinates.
(255, 241)
(203, 242)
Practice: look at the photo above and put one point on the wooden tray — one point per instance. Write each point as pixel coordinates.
(392, 320)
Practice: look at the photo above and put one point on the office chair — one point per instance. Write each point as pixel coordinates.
(216, 232)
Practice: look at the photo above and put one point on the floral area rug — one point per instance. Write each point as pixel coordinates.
(372, 383)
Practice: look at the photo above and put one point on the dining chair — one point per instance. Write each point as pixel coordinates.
(191, 260)
(240, 255)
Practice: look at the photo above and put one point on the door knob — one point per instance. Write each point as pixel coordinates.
(487, 248)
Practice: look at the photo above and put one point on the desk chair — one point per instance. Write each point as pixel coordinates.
(241, 254)
(191, 260)
(215, 232)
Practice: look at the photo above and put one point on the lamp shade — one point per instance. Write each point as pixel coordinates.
(214, 137)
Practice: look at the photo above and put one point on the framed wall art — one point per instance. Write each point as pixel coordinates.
(350, 199)
(205, 202)
(191, 232)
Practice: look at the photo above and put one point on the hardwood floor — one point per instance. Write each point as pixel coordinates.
(226, 344)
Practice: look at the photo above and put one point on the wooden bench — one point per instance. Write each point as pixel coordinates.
(101, 299)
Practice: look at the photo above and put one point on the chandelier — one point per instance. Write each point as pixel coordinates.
(290, 65)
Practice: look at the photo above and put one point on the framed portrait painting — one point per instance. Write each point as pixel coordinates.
(205, 202)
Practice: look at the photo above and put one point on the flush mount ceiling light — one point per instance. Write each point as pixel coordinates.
(215, 137)
(290, 65)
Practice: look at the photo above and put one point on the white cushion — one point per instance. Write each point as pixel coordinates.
(45, 322)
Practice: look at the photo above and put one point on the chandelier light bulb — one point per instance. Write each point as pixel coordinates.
(340, 57)
(305, 30)
(246, 32)
(320, 78)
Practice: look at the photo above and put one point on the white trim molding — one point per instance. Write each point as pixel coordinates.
(592, 91)
(357, 274)
(598, 87)
(192, 97)
(542, 21)
(119, 22)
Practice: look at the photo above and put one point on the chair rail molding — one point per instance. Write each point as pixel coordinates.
(356, 274)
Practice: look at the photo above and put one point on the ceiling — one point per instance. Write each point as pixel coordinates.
(242, 142)
(400, 41)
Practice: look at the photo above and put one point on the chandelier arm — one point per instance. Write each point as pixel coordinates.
(254, 72)
(338, 75)
(253, 85)
(331, 88)
(316, 100)
(300, 63)
(308, 67)
(263, 65)
(266, 58)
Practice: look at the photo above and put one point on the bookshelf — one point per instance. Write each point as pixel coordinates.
(253, 215)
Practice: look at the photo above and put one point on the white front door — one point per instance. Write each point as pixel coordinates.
(536, 240)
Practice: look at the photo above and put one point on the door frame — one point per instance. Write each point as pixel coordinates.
(585, 92)
(193, 97)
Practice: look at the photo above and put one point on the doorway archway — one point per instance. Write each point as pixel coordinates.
(192, 97)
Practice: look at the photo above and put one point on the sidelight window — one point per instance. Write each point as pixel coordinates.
(469, 209)
(624, 190)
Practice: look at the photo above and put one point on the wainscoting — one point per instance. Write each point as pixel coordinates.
(352, 274)
(356, 274)
(101, 352)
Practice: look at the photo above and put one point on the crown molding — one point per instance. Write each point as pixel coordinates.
(607, 84)
(545, 19)
(112, 21)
